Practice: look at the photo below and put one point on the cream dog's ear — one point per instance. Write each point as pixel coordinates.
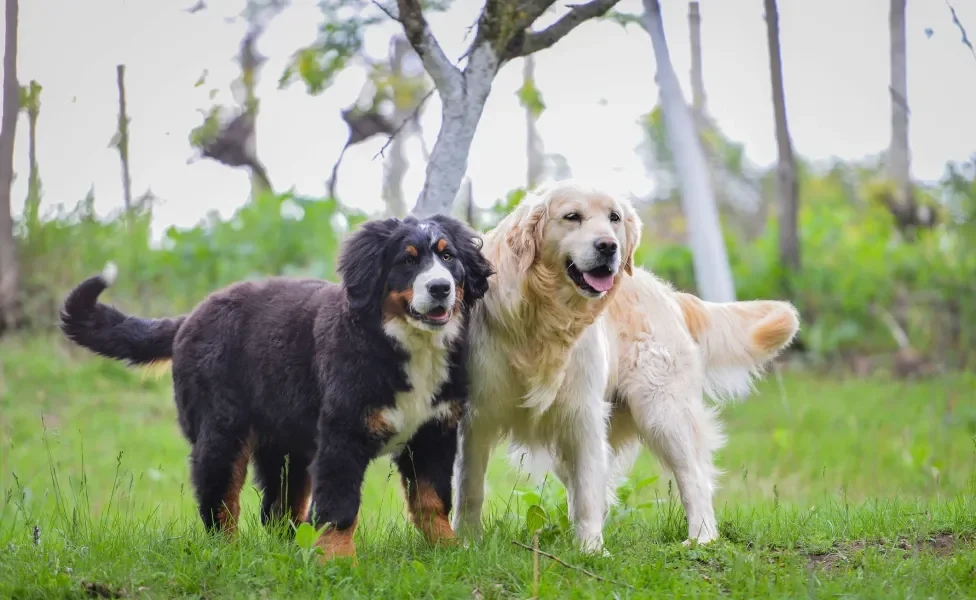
(632, 230)
(525, 237)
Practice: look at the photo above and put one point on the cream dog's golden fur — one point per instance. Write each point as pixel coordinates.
(579, 375)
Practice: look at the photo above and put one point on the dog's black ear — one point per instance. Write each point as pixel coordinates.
(361, 265)
(477, 269)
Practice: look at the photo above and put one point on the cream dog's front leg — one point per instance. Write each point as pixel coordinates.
(582, 449)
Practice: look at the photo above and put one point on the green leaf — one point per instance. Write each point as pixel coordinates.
(418, 567)
(535, 518)
(643, 483)
(622, 18)
(202, 79)
(531, 98)
(306, 536)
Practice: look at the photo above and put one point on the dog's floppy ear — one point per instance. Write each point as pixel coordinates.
(525, 237)
(477, 269)
(361, 265)
(632, 231)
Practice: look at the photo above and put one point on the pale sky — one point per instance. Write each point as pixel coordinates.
(595, 82)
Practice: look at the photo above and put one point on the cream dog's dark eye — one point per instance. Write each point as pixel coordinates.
(572, 217)
(614, 217)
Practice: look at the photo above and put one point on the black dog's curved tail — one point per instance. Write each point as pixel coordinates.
(111, 333)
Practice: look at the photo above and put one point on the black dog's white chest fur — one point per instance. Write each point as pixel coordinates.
(427, 369)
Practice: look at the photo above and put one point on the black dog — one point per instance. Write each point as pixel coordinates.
(329, 376)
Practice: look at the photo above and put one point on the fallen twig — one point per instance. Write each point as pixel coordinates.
(574, 567)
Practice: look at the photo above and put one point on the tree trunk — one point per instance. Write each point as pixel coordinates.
(899, 158)
(124, 139)
(712, 272)
(32, 206)
(9, 271)
(463, 103)
(395, 167)
(697, 76)
(787, 186)
(534, 150)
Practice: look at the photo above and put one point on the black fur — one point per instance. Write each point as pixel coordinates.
(289, 369)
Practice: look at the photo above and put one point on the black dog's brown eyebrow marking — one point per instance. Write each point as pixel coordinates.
(411, 250)
(441, 244)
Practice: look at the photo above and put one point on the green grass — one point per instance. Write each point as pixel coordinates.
(853, 488)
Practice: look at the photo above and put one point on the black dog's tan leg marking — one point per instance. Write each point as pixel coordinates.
(343, 454)
(218, 472)
(427, 511)
(299, 498)
(426, 466)
(338, 543)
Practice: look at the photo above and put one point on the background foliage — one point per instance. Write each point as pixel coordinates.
(856, 264)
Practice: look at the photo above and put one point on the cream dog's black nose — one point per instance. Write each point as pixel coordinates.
(606, 246)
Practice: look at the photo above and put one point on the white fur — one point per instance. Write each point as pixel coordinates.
(422, 300)
(110, 273)
(427, 371)
(557, 411)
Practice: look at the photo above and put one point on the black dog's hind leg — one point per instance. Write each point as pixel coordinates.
(426, 466)
(285, 484)
(340, 464)
(219, 466)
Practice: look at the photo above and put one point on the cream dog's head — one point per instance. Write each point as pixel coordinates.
(580, 235)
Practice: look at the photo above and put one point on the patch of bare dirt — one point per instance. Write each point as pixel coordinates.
(941, 544)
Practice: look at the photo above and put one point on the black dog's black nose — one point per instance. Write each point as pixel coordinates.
(439, 288)
(606, 246)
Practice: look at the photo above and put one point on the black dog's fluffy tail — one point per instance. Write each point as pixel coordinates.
(107, 331)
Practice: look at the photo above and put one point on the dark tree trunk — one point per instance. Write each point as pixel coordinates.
(787, 187)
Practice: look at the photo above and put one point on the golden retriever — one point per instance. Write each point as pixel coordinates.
(579, 356)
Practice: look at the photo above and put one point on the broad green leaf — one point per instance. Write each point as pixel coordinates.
(535, 518)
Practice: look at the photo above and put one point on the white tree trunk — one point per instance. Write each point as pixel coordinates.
(463, 96)
(535, 155)
(395, 167)
(712, 272)
(697, 75)
(899, 159)
(9, 266)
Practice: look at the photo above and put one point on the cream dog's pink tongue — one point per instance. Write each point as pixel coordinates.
(600, 283)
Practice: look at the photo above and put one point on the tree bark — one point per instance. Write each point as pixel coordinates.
(500, 38)
(899, 158)
(787, 186)
(33, 176)
(697, 76)
(395, 167)
(9, 271)
(124, 139)
(463, 99)
(712, 272)
(535, 156)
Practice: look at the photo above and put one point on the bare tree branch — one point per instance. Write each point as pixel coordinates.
(413, 118)
(962, 30)
(446, 76)
(540, 40)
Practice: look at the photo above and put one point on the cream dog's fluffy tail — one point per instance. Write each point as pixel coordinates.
(737, 339)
